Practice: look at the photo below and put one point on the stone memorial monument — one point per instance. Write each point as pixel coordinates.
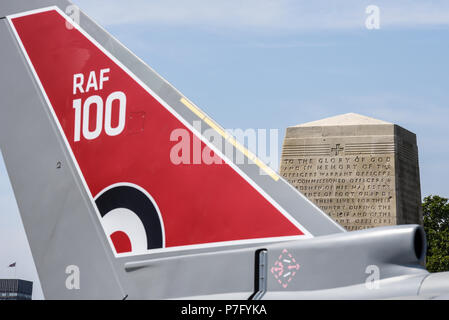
(361, 171)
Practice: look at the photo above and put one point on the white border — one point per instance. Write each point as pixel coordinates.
(306, 233)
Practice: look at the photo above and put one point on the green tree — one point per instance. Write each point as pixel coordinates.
(436, 225)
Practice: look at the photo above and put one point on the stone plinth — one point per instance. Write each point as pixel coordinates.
(361, 171)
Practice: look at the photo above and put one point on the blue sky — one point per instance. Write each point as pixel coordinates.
(274, 64)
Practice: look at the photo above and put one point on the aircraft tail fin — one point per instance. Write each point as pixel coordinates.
(108, 160)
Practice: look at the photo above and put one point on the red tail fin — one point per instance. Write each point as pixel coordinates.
(118, 132)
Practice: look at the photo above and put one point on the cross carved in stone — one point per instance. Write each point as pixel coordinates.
(337, 149)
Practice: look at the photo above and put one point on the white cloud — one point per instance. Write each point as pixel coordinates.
(272, 15)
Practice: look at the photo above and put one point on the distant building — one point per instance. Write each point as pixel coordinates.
(15, 289)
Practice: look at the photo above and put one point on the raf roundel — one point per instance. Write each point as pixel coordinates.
(130, 218)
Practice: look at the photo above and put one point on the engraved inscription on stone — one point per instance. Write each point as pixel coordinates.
(350, 173)
(356, 190)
